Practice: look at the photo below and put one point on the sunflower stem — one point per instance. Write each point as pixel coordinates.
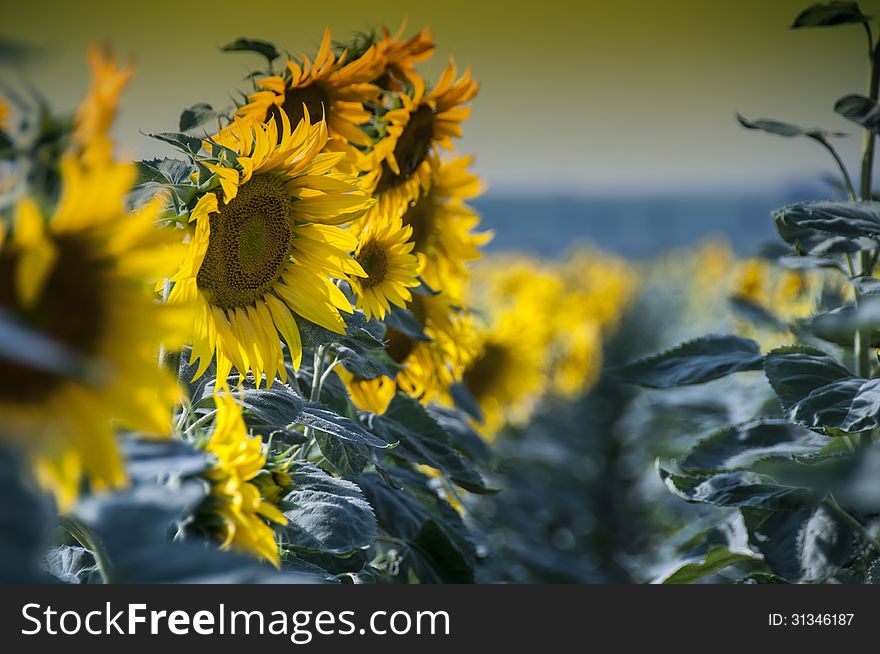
(87, 538)
(314, 396)
(201, 421)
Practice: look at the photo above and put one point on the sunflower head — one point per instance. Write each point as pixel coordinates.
(401, 56)
(238, 499)
(79, 277)
(267, 245)
(327, 86)
(444, 226)
(385, 253)
(416, 127)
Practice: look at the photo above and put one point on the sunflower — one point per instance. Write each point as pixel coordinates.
(752, 282)
(385, 253)
(79, 278)
(401, 56)
(429, 364)
(507, 375)
(327, 86)
(416, 127)
(443, 225)
(267, 246)
(238, 497)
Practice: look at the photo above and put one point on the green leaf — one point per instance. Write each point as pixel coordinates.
(135, 528)
(694, 362)
(320, 417)
(740, 446)
(466, 401)
(808, 262)
(840, 325)
(280, 407)
(461, 435)
(325, 514)
(349, 459)
(756, 314)
(809, 544)
(817, 391)
(163, 171)
(406, 323)
(196, 115)
(738, 489)
(253, 45)
(183, 142)
(363, 359)
(439, 552)
(787, 130)
(828, 14)
(422, 440)
(819, 244)
(846, 219)
(716, 559)
(859, 109)
(72, 564)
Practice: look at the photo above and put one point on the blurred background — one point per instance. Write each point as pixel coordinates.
(609, 123)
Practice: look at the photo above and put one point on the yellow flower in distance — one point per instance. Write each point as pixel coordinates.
(443, 226)
(385, 253)
(267, 245)
(507, 376)
(235, 497)
(328, 86)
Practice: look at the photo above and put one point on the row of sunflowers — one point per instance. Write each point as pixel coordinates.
(279, 341)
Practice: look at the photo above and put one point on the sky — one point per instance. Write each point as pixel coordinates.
(590, 97)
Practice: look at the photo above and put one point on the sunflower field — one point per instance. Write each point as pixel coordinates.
(284, 352)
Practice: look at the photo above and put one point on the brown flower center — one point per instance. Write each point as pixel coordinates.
(69, 311)
(313, 97)
(374, 261)
(249, 245)
(411, 150)
(480, 378)
(420, 216)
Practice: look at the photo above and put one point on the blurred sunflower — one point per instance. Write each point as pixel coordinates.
(96, 114)
(244, 504)
(416, 127)
(385, 253)
(443, 226)
(507, 376)
(80, 278)
(752, 281)
(4, 116)
(327, 86)
(267, 246)
(401, 56)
